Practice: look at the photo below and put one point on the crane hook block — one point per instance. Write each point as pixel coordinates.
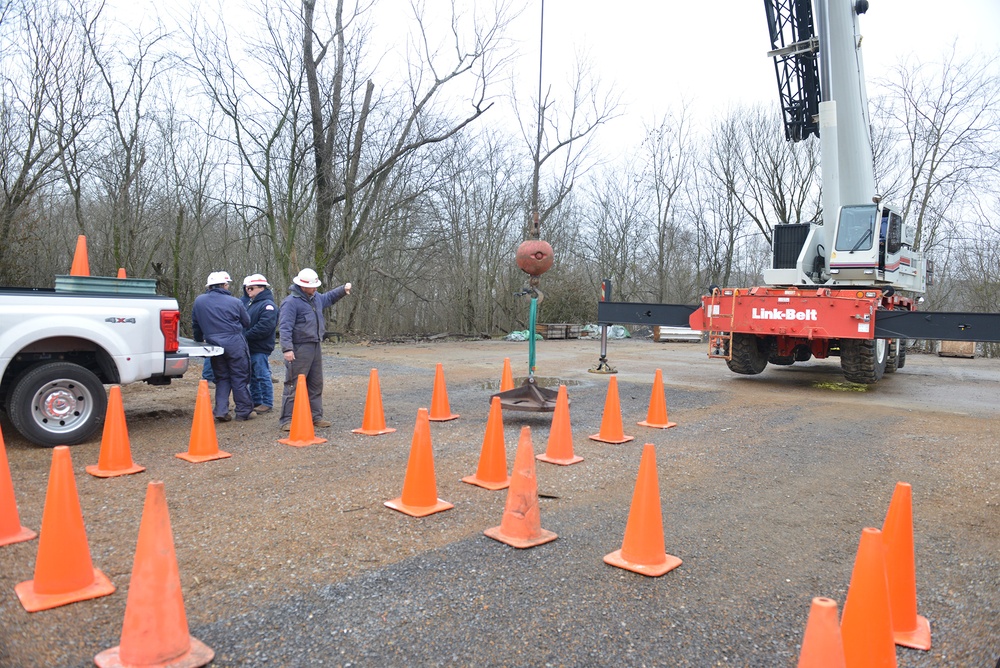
(534, 257)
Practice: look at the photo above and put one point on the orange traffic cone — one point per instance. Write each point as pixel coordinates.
(121, 272)
(155, 630)
(64, 572)
(492, 471)
(611, 423)
(866, 622)
(440, 410)
(822, 646)
(656, 417)
(908, 628)
(116, 453)
(81, 266)
(643, 549)
(204, 444)
(419, 497)
(506, 377)
(11, 530)
(560, 445)
(521, 524)
(303, 432)
(373, 423)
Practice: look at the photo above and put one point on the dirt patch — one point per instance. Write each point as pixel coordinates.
(287, 555)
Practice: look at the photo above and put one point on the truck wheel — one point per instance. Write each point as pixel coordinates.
(747, 358)
(892, 359)
(57, 403)
(863, 360)
(901, 356)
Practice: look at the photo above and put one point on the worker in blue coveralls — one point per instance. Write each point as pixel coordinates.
(301, 326)
(260, 338)
(220, 318)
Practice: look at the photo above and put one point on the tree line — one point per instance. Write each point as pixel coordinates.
(284, 144)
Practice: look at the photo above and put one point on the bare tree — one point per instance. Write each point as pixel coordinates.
(669, 158)
(268, 129)
(355, 151)
(45, 104)
(947, 116)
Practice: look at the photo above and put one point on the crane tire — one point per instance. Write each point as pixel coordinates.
(747, 357)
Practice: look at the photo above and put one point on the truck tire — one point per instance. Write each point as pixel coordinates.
(747, 358)
(863, 360)
(901, 355)
(892, 359)
(57, 403)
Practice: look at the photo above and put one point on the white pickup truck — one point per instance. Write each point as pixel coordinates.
(60, 347)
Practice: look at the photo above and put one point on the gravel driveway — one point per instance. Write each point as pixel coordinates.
(288, 557)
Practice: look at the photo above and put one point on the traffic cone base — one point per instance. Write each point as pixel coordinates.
(653, 570)
(544, 536)
(301, 443)
(611, 422)
(95, 470)
(613, 441)
(34, 602)
(198, 459)
(666, 425)
(440, 408)
(486, 484)
(561, 462)
(373, 432)
(20, 536)
(560, 446)
(822, 644)
(418, 511)
(919, 638)
(200, 654)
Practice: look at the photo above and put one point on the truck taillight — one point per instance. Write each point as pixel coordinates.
(170, 322)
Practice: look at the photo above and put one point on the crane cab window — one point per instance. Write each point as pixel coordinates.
(894, 238)
(857, 228)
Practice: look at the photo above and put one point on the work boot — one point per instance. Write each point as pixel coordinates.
(261, 409)
(251, 415)
(223, 418)
(322, 423)
(286, 427)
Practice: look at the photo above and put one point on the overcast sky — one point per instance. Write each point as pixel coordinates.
(658, 53)
(713, 52)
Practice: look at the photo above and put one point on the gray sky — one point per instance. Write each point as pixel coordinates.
(712, 52)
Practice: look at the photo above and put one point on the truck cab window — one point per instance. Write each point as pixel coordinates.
(857, 228)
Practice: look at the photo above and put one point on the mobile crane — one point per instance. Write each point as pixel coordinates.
(846, 285)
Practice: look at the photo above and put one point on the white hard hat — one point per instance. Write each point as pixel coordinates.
(307, 278)
(217, 278)
(255, 279)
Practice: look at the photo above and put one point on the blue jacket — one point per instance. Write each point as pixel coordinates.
(263, 322)
(301, 318)
(219, 318)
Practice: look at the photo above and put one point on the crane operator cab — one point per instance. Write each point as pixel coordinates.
(872, 246)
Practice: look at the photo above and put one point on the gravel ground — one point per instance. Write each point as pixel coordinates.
(288, 557)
